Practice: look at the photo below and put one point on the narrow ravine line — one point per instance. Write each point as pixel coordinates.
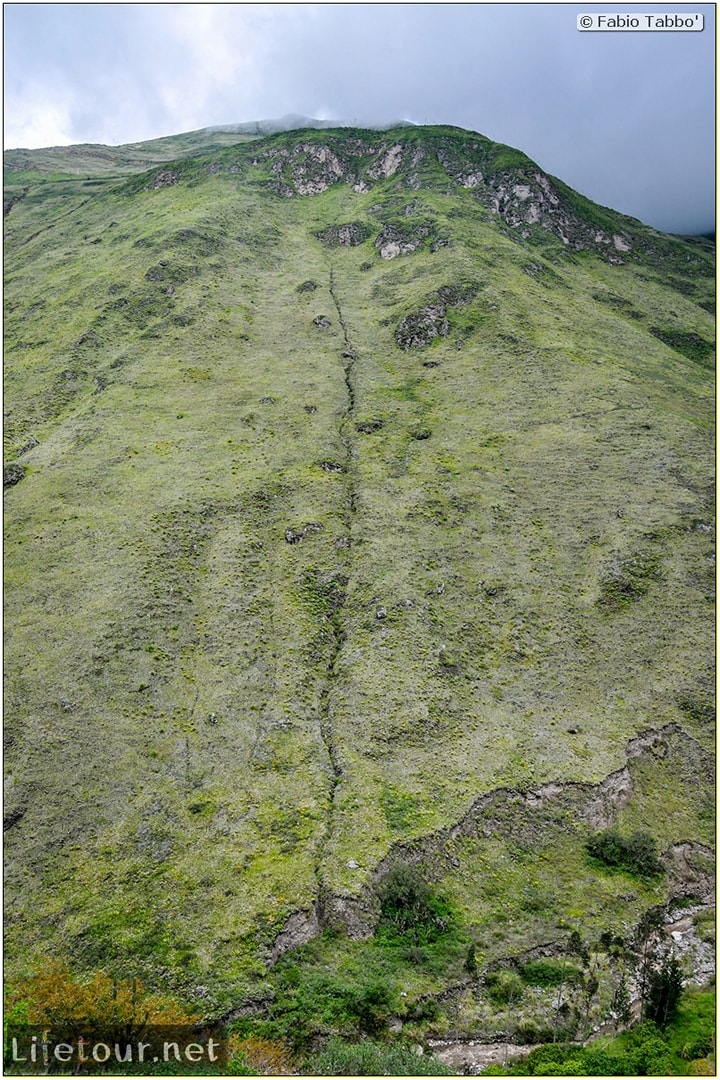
(348, 355)
(327, 731)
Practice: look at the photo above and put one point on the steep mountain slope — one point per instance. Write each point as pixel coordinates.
(359, 507)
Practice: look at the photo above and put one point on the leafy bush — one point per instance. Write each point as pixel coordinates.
(644, 1053)
(636, 853)
(55, 998)
(319, 1003)
(698, 1048)
(410, 909)
(504, 987)
(650, 1055)
(701, 1067)
(255, 1056)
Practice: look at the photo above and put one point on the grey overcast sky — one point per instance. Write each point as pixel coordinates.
(626, 118)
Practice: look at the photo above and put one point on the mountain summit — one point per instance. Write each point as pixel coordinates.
(359, 540)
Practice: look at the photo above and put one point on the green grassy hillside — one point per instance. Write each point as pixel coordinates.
(359, 508)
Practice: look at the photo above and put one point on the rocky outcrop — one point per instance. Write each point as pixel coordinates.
(418, 329)
(294, 536)
(520, 194)
(387, 163)
(348, 235)
(395, 240)
(13, 474)
(165, 178)
(692, 870)
(470, 1056)
(300, 927)
(524, 200)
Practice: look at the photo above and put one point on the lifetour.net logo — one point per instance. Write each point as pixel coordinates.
(31, 1050)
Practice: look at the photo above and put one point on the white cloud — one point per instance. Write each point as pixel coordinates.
(224, 53)
(35, 119)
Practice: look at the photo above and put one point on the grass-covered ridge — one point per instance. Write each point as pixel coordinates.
(290, 596)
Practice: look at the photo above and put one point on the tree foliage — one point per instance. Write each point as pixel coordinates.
(664, 989)
(55, 998)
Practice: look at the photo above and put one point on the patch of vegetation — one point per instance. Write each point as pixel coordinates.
(645, 1053)
(310, 1003)
(665, 987)
(628, 581)
(71, 1005)
(637, 854)
(399, 808)
(504, 987)
(409, 909)
(698, 707)
(340, 1058)
(256, 1056)
(688, 343)
(547, 973)
(323, 593)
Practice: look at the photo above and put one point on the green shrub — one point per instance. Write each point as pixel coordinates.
(548, 973)
(410, 910)
(504, 987)
(568, 1059)
(320, 1002)
(372, 1059)
(698, 1048)
(636, 853)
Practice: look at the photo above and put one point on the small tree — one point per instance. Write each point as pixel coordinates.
(620, 1004)
(635, 854)
(650, 922)
(121, 1009)
(663, 994)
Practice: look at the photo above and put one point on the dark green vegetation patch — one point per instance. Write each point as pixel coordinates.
(689, 344)
(636, 853)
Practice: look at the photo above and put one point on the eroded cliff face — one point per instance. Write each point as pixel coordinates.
(528, 817)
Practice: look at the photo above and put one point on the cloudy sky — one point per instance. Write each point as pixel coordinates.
(626, 118)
